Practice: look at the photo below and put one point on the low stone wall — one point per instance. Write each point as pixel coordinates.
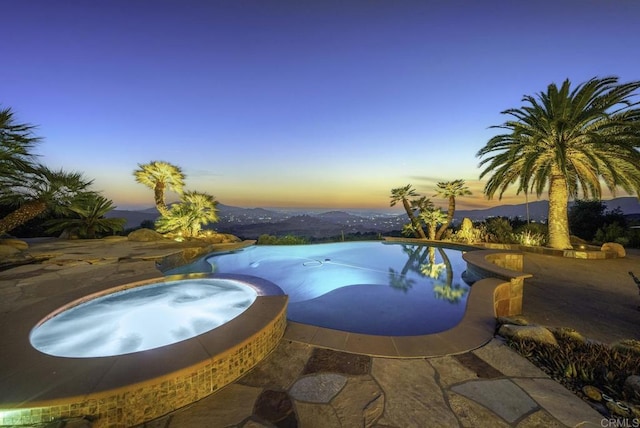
(578, 252)
(501, 266)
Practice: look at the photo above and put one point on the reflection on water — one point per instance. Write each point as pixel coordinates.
(403, 287)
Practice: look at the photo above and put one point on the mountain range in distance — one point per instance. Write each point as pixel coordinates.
(249, 223)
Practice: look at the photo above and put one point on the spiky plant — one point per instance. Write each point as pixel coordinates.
(16, 144)
(39, 191)
(196, 209)
(85, 216)
(402, 194)
(449, 190)
(432, 218)
(160, 176)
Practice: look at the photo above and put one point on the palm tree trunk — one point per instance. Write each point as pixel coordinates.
(450, 211)
(158, 193)
(432, 232)
(20, 216)
(558, 221)
(417, 228)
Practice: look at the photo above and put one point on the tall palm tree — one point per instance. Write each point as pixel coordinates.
(86, 217)
(571, 141)
(449, 190)
(16, 142)
(402, 194)
(38, 191)
(160, 176)
(196, 210)
(432, 218)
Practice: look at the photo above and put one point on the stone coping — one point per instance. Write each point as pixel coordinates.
(483, 263)
(476, 328)
(57, 386)
(578, 252)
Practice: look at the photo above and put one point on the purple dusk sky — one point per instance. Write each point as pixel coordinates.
(294, 103)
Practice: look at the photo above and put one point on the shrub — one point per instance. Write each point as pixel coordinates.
(282, 240)
(613, 232)
(499, 230)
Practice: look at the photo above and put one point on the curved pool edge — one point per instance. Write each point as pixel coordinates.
(476, 329)
(130, 389)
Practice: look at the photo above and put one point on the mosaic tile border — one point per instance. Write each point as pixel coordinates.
(260, 329)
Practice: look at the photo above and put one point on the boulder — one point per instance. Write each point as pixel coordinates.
(632, 386)
(515, 320)
(7, 251)
(613, 247)
(592, 392)
(15, 243)
(145, 235)
(627, 345)
(219, 238)
(534, 333)
(569, 333)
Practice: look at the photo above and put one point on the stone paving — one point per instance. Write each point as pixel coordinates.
(299, 385)
(302, 386)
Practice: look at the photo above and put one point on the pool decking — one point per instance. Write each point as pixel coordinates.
(594, 298)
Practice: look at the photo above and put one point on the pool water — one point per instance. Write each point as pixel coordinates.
(142, 318)
(361, 287)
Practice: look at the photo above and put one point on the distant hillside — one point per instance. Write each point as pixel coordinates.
(134, 218)
(252, 222)
(538, 210)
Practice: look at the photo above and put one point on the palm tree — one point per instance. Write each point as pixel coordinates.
(432, 218)
(568, 140)
(403, 194)
(16, 143)
(421, 204)
(160, 176)
(38, 191)
(88, 210)
(449, 190)
(196, 210)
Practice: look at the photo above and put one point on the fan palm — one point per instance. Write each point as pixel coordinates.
(160, 176)
(432, 218)
(402, 194)
(449, 190)
(570, 141)
(16, 143)
(38, 191)
(196, 210)
(88, 209)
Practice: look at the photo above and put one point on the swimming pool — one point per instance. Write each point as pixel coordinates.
(376, 288)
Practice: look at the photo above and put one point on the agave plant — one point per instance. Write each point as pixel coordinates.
(529, 238)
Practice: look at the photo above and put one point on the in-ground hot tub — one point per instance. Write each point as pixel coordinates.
(139, 385)
(142, 318)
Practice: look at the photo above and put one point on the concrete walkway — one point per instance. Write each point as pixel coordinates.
(306, 386)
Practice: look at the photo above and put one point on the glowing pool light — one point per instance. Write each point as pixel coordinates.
(142, 318)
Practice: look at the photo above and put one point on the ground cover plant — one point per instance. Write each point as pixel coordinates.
(595, 372)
